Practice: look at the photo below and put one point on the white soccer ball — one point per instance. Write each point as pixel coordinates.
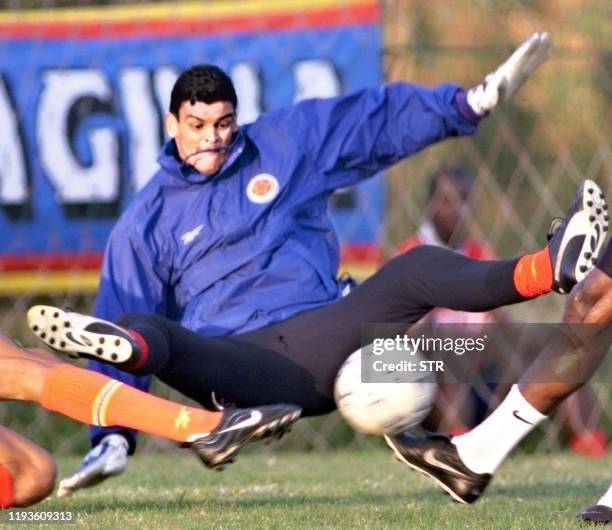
(383, 408)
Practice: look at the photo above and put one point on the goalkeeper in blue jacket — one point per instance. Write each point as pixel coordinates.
(224, 267)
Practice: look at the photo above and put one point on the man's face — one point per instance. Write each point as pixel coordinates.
(202, 133)
(448, 209)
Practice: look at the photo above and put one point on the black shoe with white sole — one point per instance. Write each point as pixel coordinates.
(598, 514)
(576, 240)
(82, 336)
(437, 457)
(240, 427)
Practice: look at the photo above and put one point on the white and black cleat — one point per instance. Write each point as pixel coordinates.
(600, 514)
(437, 457)
(576, 240)
(239, 427)
(81, 335)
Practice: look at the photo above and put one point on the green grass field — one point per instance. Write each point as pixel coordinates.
(346, 489)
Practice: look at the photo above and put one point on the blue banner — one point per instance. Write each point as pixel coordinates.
(84, 120)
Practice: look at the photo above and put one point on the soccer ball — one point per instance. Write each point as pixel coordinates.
(383, 408)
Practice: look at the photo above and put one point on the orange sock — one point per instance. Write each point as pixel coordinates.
(533, 274)
(7, 493)
(93, 398)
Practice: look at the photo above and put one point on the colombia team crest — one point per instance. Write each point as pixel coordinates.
(262, 188)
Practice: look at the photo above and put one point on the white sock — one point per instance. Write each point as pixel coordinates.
(484, 447)
(606, 500)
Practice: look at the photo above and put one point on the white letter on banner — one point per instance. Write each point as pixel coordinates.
(13, 185)
(163, 80)
(248, 90)
(315, 78)
(74, 183)
(143, 123)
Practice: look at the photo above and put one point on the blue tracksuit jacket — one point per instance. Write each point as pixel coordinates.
(253, 244)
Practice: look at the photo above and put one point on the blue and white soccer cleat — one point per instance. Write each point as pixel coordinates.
(107, 459)
(576, 240)
(240, 427)
(81, 335)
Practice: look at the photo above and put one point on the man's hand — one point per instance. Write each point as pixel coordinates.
(107, 459)
(499, 86)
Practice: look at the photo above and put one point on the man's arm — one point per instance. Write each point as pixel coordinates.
(352, 137)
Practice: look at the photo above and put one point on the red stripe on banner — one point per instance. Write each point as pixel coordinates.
(316, 18)
(92, 261)
(51, 262)
(361, 253)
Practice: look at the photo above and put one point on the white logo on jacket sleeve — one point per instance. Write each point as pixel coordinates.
(188, 237)
(262, 188)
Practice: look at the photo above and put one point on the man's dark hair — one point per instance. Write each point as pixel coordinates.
(206, 83)
(458, 174)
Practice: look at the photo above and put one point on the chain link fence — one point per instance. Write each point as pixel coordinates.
(528, 158)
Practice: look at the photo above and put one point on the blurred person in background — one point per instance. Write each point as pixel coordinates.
(448, 214)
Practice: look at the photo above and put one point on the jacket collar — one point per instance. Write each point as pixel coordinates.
(169, 161)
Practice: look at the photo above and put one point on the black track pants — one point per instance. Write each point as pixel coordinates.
(296, 361)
